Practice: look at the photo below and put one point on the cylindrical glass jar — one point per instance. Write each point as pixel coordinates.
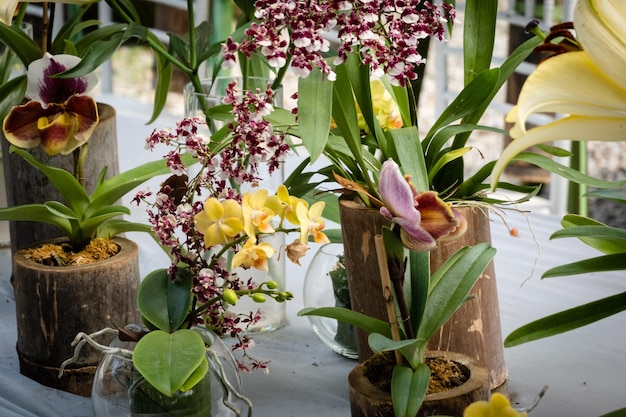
(120, 391)
(273, 313)
(326, 285)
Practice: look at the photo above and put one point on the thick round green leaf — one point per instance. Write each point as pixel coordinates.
(163, 302)
(171, 362)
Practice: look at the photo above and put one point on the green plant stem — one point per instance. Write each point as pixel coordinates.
(80, 155)
(193, 56)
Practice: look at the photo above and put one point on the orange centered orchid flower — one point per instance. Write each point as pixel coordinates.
(424, 218)
(256, 214)
(59, 117)
(220, 221)
(311, 222)
(254, 255)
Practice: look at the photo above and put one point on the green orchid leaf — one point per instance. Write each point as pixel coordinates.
(20, 43)
(164, 74)
(417, 292)
(617, 413)
(116, 227)
(360, 320)
(618, 196)
(73, 24)
(411, 156)
(604, 238)
(605, 245)
(445, 159)
(567, 320)
(566, 172)
(125, 7)
(315, 98)
(451, 284)
(35, 213)
(408, 389)
(63, 181)
(198, 375)
(440, 138)
(479, 32)
(412, 349)
(91, 224)
(158, 290)
(168, 361)
(554, 150)
(13, 93)
(116, 187)
(60, 210)
(613, 262)
(473, 96)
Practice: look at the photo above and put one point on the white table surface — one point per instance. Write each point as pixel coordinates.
(584, 369)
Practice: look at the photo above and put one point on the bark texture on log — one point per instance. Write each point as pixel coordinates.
(367, 400)
(53, 304)
(359, 225)
(475, 329)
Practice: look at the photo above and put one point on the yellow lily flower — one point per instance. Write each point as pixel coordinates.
(9, 7)
(220, 222)
(588, 86)
(498, 406)
(254, 255)
(311, 222)
(256, 214)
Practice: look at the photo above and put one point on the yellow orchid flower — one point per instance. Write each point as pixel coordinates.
(588, 86)
(498, 406)
(311, 222)
(254, 255)
(284, 204)
(256, 214)
(385, 108)
(220, 221)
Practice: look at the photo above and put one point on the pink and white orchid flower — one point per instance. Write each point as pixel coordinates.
(59, 117)
(424, 218)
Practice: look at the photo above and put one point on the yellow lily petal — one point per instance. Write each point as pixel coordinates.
(7, 11)
(601, 29)
(550, 88)
(608, 129)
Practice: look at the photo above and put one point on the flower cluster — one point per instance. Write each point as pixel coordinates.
(217, 239)
(386, 34)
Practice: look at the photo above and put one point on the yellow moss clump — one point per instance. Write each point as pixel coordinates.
(61, 254)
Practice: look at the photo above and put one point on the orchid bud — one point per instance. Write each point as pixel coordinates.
(230, 296)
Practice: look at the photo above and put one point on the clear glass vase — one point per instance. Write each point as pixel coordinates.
(120, 391)
(274, 314)
(326, 285)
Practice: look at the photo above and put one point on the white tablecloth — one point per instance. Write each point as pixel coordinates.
(584, 369)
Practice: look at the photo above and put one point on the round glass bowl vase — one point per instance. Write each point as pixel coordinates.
(326, 285)
(119, 391)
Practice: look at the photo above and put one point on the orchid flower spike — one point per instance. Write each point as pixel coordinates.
(60, 116)
(424, 218)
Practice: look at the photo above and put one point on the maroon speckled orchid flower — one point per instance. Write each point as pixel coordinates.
(59, 117)
(424, 218)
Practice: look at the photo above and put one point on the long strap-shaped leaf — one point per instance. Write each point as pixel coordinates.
(452, 283)
(69, 187)
(567, 320)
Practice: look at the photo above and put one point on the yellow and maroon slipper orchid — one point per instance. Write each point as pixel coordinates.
(587, 86)
(424, 218)
(59, 117)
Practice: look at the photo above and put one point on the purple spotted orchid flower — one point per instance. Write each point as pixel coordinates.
(424, 218)
(59, 117)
